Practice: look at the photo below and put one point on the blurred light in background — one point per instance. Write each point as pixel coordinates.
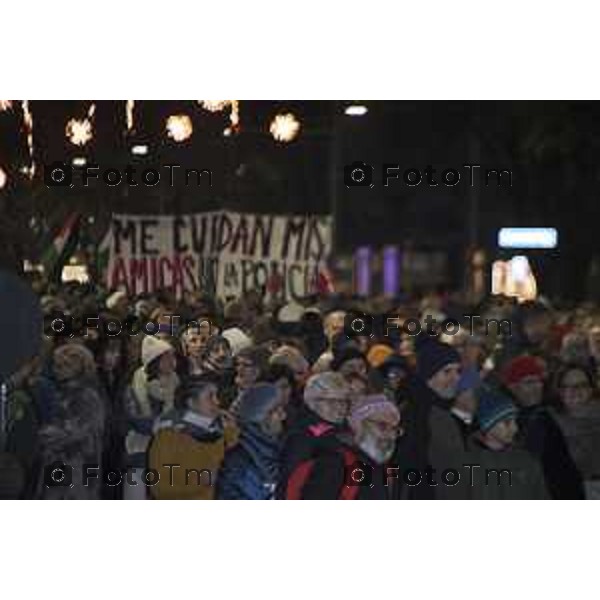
(356, 110)
(3, 178)
(284, 128)
(79, 131)
(79, 161)
(362, 270)
(139, 150)
(391, 270)
(527, 237)
(179, 127)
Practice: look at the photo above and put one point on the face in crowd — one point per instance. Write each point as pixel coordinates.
(219, 354)
(205, 402)
(377, 435)
(537, 327)
(333, 408)
(246, 372)
(445, 381)
(352, 367)
(195, 337)
(529, 391)
(334, 324)
(501, 435)
(274, 422)
(575, 390)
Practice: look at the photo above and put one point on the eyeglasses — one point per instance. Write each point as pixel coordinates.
(385, 428)
(577, 386)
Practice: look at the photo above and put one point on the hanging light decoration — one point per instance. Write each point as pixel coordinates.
(234, 116)
(3, 178)
(5, 105)
(214, 105)
(284, 128)
(28, 124)
(129, 106)
(80, 131)
(220, 105)
(179, 127)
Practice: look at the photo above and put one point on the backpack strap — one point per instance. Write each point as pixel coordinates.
(349, 492)
(297, 479)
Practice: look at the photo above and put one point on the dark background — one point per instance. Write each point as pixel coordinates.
(551, 148)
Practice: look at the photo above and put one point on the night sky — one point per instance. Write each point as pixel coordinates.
(550, 147)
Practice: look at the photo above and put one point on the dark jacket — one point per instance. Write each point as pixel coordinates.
(328, 475)
(433, 439)
(542, 436)
(511, 474)
(307, 436)
(250, 469)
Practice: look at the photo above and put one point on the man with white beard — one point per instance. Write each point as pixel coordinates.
(356, 468)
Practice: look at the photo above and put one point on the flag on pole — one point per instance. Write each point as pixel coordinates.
(61, 247)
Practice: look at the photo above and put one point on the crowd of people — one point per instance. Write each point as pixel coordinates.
(250, 399)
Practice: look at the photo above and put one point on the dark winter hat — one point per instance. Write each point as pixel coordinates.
(257, 402)
(494, 406)
(345, 354)
(433, 355)
(394, 362)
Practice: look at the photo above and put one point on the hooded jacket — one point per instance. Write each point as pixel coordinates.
(250, 469)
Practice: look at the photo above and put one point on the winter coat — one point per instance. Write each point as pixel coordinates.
(197, 446)
(307, 435)
(250, 469)
(327, 475)
(75, 437)
(433, 439)
(582, 433)
(22, 439)
(542, 436)
(489, 480)
(145, 402)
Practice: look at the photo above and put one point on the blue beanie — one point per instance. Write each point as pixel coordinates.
(433, 355)
(494, 406)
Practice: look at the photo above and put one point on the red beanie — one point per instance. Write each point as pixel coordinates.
(521, 367)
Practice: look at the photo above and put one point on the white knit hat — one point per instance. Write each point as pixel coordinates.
(153, 347)
(237, 339)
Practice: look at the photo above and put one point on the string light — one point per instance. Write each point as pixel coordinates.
(214, 105)
(28, 124)
(284, 128)
(179, 127)
(5, 105)
(234, 116)
(129, 106)
(220, 105)
(80, 131)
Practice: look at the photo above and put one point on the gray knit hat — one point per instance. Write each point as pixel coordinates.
(257, 402)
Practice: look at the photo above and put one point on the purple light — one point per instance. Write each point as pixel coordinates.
(362, 266)
(391, 270)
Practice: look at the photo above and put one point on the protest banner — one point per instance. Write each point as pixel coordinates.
(221, 252)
